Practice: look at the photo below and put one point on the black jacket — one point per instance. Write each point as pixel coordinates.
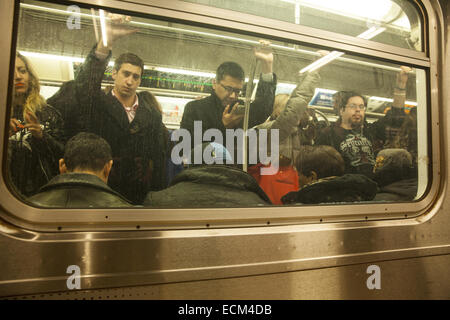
(78, 190)
(139, 147)
(360, 147)
(213, 186)
(403, 190)
(33, 162)
(209, 110)
(346, 188)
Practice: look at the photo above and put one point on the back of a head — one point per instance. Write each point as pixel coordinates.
(130, 58)
(231, 69)
(87, 151)
(210, 153)
(392, 165)
(324, 160)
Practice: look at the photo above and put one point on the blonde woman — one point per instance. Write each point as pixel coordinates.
(35, 133)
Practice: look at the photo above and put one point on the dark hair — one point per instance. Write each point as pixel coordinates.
(342, 97)
(325, 161)
(87, 151)
(130, 58)
(231, 69)
(393, 165)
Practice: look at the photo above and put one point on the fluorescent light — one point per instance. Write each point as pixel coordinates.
(103, 27)
(55, 57)
(50, 56)
(187, 72)
(322, 61)
(368, 34)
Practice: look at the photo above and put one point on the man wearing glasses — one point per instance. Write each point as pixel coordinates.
(353, 137)
(220, 110)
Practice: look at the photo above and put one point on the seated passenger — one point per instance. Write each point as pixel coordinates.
(353, 137)
(84, 172)
(395, 175)
(210, 185)
(218, 111)
(36, 139)
(124, 118)
(322, 179)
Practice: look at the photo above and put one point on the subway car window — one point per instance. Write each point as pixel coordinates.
(113, 110)
(393, 22)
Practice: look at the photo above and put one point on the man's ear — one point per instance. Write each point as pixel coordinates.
(114, 74)
(107, 169)
(313, 176)
(62, 166)
(214, 84)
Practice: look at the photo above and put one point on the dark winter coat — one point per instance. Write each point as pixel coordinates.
(213, 186)
(346, 188)
(78, 190)
(139, 147)
(403, 190)
(32, 162)
(209, 110)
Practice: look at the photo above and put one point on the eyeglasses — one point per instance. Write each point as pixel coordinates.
(230, 90)
(354, 106)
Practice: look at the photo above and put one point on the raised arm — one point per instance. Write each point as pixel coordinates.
(261, 108)
(289, 118)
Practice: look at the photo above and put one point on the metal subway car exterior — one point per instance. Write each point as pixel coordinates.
(364, 250)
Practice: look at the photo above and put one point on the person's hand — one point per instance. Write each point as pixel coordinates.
(14, 126)
(33, 124)
(116, 28)
(402, 77)
(229, 119)
(264, 53)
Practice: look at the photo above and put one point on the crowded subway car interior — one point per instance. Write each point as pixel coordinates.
(194, 143)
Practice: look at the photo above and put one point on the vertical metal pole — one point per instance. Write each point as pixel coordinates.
(248, 95)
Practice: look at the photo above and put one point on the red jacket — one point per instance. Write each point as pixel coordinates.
(277, 185)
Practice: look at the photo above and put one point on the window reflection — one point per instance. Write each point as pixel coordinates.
(173, 111)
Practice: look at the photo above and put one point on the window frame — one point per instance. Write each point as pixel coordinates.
(46, 219)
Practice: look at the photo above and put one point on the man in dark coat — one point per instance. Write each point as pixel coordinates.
(122, 117)
(220, 110)
(84, 172)
(210, 185)
(322, 179)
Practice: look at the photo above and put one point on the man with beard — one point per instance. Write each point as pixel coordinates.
(353, 137)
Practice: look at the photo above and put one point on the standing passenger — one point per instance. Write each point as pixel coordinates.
(132, 127)
(219, 110)
(35, 133)
(353, 137)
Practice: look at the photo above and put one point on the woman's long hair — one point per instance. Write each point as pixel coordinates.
(33, 100)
